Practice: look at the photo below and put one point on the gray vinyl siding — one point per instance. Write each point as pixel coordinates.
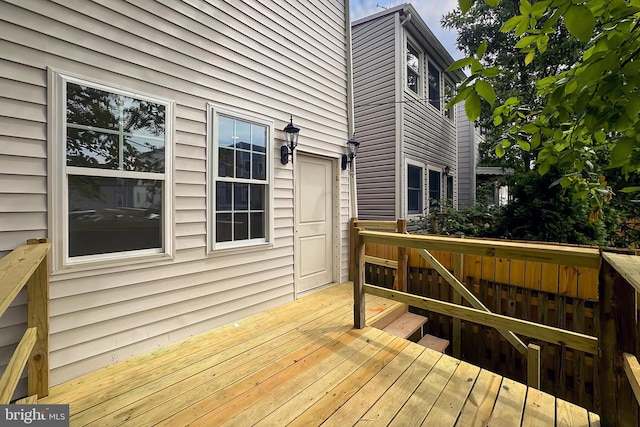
(374, 58)
(429, 136)
(267, 59)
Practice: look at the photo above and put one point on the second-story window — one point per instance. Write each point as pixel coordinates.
(413, 69)
(449, 93)
(434, 85)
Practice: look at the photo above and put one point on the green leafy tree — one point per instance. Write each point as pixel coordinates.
(585, 116)
(479, 30)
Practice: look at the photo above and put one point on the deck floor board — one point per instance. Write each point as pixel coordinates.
(303, 364)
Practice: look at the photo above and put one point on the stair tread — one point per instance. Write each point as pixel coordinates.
(406, 325)
(434, 343)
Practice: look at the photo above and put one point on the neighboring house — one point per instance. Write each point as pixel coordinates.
(407, 160)
(469, 139)
(143, 139)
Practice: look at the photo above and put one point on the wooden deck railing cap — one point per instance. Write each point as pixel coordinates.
(553, 254)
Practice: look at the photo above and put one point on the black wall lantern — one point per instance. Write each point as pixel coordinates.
(352, 148)
(447, 170)
(292, 133)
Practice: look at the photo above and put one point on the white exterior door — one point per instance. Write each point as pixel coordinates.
(314, 222)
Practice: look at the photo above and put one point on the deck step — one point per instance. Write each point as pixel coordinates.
(386, 317)
(406, 325)
(434, 343)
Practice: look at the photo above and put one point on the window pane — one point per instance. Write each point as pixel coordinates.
(259, 166)
(257, 225)
(241, 197)
(414, 201)
(413, 68)
(113, 215)
(92, 149)
(258, 138)
(142, 118)
(243, 164)
(225, 162)
(414, 179)
(258, 197)
(243, 134)
(450, 188)
(223, 196)
(241, 226)
(225, 132)
(143, 154)
(223, 227)
(434, 185)
(92, 107)
(434, 86)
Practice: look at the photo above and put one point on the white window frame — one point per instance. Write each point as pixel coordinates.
(410, 162)
(213, 113)
(421, 83)
(59, 171)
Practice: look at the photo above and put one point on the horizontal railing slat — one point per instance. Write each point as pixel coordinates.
(553, 254)
(18, 361)
(381, 225)
(16, 268)
(380, 261)
(549, 334)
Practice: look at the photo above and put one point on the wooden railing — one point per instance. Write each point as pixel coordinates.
(28, 265)
(615, 347)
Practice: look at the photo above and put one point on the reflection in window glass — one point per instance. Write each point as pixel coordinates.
(225, 132)
(413, 68)
(124, 134)
(113, 215)
(414, 189)
(111, 131)
(434, 86)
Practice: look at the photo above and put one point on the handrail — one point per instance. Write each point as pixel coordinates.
(575, 340)
(564, 255)
(28, 264)
(16, 268)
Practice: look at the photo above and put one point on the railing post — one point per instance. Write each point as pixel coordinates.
(359, 319)
(353, 234)
(458, 272)
(533, 366)
(403, 261)
(618, 334)
(38, 317)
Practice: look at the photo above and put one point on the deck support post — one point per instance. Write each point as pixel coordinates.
(359, 319)
(618, 334)
(458, 272)
(533, 366)
(38, 317)
(403, 259)
(353, 234)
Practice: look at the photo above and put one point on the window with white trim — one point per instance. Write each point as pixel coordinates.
(111, 179)
(413, 69)
(241, 189)
(415, 188)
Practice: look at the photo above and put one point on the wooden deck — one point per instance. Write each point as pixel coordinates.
(303, 364)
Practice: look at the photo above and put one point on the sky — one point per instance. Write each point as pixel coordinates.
(430, 11)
